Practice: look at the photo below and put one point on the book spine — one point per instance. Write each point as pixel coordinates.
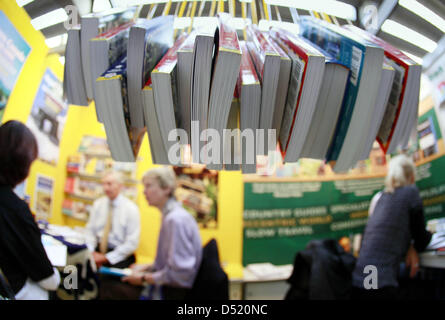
(349, 53)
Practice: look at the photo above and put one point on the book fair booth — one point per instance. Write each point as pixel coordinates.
(318, 100)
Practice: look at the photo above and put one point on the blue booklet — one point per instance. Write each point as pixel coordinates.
(115, 271)
(362, 58)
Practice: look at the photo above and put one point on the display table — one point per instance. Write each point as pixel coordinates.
(79, 264)
(253, 287)
(429, 259)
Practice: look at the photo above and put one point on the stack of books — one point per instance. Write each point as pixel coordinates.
(78, 83)
(327, 93)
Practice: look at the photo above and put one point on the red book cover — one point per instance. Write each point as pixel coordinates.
(70, 184)
(247, 73)
(112, 32)
(398, 57)
(170, 59)
(188, 43)
(259, 47)
(228, 38)
(303, 50)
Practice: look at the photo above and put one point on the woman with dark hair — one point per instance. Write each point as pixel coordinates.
(23, 260)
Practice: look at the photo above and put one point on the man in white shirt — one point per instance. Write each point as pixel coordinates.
(114, 224)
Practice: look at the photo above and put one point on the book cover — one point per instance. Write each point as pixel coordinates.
(300, 51)
(401, 64)
(350, 51)
(119, 72)
(168, 65)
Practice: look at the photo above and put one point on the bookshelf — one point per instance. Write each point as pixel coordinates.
(84, 172)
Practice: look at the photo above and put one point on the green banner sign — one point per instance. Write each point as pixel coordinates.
(280, 218)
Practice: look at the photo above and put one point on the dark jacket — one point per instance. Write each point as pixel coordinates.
(323, 271)
(211, 282)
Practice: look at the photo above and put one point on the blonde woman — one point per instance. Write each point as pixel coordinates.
(179, 251)
(395, 232)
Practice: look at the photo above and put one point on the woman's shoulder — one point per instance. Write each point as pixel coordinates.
(12, 207)
(410, 190)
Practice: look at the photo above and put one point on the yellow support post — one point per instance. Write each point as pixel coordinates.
(212, 9)
(192, 15)
(152, 10)
(266, 12)
(221, 6)
(167, 8)
(254, 13)
(326, 17)
(232, 7)
(243, 14)
(181, 12)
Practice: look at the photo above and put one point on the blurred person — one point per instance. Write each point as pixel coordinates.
(179, 250)
(114, 224)
(23, 259)
(395, 232)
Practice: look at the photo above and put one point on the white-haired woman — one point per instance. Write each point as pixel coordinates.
(395, 232)
(179, 251)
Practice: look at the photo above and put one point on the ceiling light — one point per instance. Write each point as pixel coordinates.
(56, 41)
(400, 31)
(49, 19)
(22, 3)
(101, 5)
(330, 7)
(424, 13)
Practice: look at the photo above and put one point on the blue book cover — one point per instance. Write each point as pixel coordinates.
(348, 51)
(158, 39)
(114, 271)
(119, 71)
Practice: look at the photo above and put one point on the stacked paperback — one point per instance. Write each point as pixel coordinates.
(327, 93)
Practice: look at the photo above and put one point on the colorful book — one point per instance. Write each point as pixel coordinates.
(148, 41)
(400, 116)
(361, 57)
(105, 50)
(157, 148)
(223, 81)
(327, 108)
(267, 64)
(203, 61)
(165, 94)
(308, 64)
(123, 139)
(73, 78)
(94, 24)
(249, 93)
(185, 62)
(283, 84)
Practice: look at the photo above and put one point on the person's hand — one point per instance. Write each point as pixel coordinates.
(99, 258)
(412, 261)
(136, 278)
(140, 267)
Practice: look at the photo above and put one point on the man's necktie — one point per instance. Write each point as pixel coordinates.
(103, 246)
